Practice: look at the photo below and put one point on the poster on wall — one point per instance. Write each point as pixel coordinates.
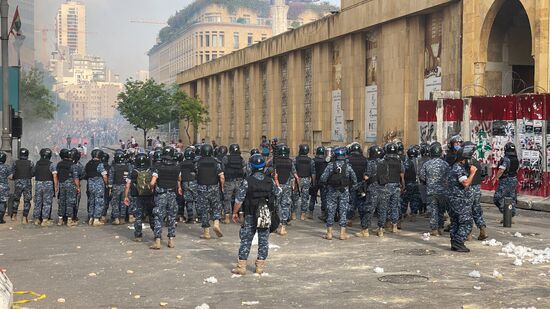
(427, 121)
(371, 113)
(432, 54)
(338, 126)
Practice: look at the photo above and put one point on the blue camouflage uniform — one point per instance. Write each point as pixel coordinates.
(319, 187)
(460, 205)
(68, 199)
(143, 203)
(5, 172)
(422, 186)
(208, 198)
(248, 227)
(189, 187)
(96, 187)
(117, 186)
(338, 197)
(411, 196)
(302, 195)
(434, 174)
(393, 192)
(43, 193)
(23, 186)
(284, 199)
(507, 186)
(376, 197)
(80, 172)
(234, 171)
(165, 199)
(474, 191)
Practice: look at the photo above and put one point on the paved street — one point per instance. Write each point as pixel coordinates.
(305, 272)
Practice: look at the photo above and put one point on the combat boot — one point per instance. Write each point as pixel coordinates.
(282, 230)
(469, 237)
(482, 234)
(434, 233)
(59, 221)
(116, 221)
(260, 265)
(97, 223)
(226, 219)
(394, 228)
(36, 222)
(171, 243)
(293, 216)
(156, 244)
(380, 232)
(310, 215)
(90, 221)
(458, 247)
(363, 233)
(399, 224)
(217, 229)
(14, 217)
(328, 235)
(350, 223)
(388, 224)
(240, 269)
(343, 234)
(303, 216)
(205, 233)
(71, 222)
(122, 221)
(131, 219)
(2, 221)
(24, 220)
(440, 232)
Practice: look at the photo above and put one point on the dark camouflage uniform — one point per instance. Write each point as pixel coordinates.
(144, 204)
(460, 207)
(165, 205)
(96, 187)
(118, 209)
(434, 174)
(335, 198)
(284, 199)
(230, 187)
(68, 199)
(22, 187)
(189, 198)
(5, 172)
(507, 187)
(80, 172)
(477, 212)
(411, 196)
(375, 198)
(43, 196)
(208, 200)
(303, 197)
(393, 197)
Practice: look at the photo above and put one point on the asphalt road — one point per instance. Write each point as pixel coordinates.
(103, 268)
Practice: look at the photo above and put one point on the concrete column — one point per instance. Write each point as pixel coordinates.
(295, 113)
(451, 54)
(274, 97)
(321, 101)
(255, 105)
(414, 78)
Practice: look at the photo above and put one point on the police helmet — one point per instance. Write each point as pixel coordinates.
(97, 154)
(168, 153)
(141, 160)
(424, 149)
(206, 150)
(257, 162)
(355, 148)
(283, 151)
(198, 150)
(23, 154)
(400, 147)
(372, 151)
(303, 149)
(222, 151)
(119, 156)
(413, 151)
(254, 151)
(157, 156)
(340, 153)
(234, 149)
(45, 153)
(457, 139)
(391, 148)
(3, 157)
(75, 155)
(105, 158)
(64, 153)
(189, 154)
(320, 151)
(510, 149)
(178, 156)
(436, 150)
(377, 153)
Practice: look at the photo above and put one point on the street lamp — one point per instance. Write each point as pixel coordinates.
(6, 139)
(18, 43)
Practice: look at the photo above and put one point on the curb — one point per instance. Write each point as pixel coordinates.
(537, 203)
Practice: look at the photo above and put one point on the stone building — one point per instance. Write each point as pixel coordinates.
(358, 75)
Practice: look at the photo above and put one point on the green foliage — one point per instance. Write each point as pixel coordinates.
(36, 99)
(191, 111)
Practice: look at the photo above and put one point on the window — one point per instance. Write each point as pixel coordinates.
(201, 39)
(221, 40)
(214, 40)
(207, 57)
(249, 39)
(207, 39)
(214, 56)
(235, 40)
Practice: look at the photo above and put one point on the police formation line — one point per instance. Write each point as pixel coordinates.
(207, 185)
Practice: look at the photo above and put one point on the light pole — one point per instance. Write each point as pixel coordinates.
(18, 43)
(6, 139)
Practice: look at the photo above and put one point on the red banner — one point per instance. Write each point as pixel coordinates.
(453, 110)
(426, 111)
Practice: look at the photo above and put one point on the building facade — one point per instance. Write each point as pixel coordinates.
(358, 75)
(90, 101)
(70, 25)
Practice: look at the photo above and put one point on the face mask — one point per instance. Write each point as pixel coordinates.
(456, 147)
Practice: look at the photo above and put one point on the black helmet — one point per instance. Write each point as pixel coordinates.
(178, 156)
(206, 150)
(436, 150)
(254, 151)
(189, 154)
(391, 148)
(75, 155)
(340, 153)
(198, 150)
(424, 149)
(45, 153)
(157, 156)
(303, 149)
(467, 151)
(257, 163)
(413, 151)
(105, 158)
(355, 148)
(168, 153)
(320, 151)
(454, 140)
(222, 151)
(3, 157)
(234, 149)
(97, 154)
(375, 152)
(64, 153)
(119, 156)
(283, 151)
(400, 147)
(510, 149)
(23, 154)
(141, 160)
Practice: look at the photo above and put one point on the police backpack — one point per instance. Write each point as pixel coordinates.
(263, 215)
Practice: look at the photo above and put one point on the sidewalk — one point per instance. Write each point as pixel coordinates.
(524, 201)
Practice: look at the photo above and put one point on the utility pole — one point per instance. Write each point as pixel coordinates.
(6, 139)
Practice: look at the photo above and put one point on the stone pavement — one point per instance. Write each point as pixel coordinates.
(103, 268)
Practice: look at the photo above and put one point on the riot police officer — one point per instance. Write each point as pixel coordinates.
(107, 192)
(234, 172)
(475, 192)
(393, 178)
(5, 172)
(305, 170)
(188, 179)
(210, 179)
(75, 155)
(424, 157)
(282, 167)
(320, 164)
(507, 178)
(221, 152)
(45, 175)
(69, 186)
(22, 175)
(376, 194)
(358, 164)
(118, 175)
(96, 175)
(139, 185)
(453, 145)
(411, 195)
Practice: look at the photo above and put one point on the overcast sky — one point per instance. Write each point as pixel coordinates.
(122, 44)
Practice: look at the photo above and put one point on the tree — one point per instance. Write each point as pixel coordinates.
(36, 99)
(145, 105)
(191, 111)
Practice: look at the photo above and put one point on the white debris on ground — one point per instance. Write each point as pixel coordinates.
(426, 236)
(250, 303)
(143, 226)
(491, 243)
(518, 235)
(61, 300)
(474, 274)
(271, 246)
(262, 275)
(203, 306)
(235, 276)
(525, 254)
(211, 280)
(477, 287)
(378, 270)
(497, 275)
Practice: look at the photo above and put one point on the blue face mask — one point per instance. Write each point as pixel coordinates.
(456, 147)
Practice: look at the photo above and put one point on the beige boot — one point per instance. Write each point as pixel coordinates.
(46, 223)
(469, 237)
(483, 234)
(260, 265)
(90, 221)
(156, 244)
(293, 216)
(303, 216)
(116, 221)
(350, 223)
(282, 230)
(205, 233)
(102, 219)
(310, 215)
(171, 243)
(387, 225)
(380, 232)
(434, 233)
(394, 228)
(363, 233)
(98, 223)
(240, 269)
(70, 222)
(343, 233)
(59, 221)
(25, 220)
(73, 223)
(217, 228)
(37, 222)
(440, 232)
(226, 219)
(328, 235)
(131, 219)
(122, 221)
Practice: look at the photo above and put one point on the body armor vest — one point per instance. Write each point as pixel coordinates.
(168, 176)
(23, 169)
(234, 167)
(91, 169)
(320, 166)
(64, 170)
(188, 172)
(303, 166)
(42, 171)
(410, 171)
(121, 173)
(283, 166)
(258, 190)
(358, 165)
(512, 171)
(207, 171)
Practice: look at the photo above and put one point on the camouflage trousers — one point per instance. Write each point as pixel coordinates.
(506, 188)
(411, 198)
(230, 189)
(303, 197)
(248, 229)
(337, 201)
(189, 199)
(67, 199)
(22, 187)
(118, 209)
(96, 199)
(165, 203)
(377, 201)
(43, 198)
(208, 200)
(477, 213)
(284, 201)
(460, 212)
(437, 205)
(143, 205)
(393, 199)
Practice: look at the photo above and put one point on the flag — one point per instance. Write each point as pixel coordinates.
(16, 23)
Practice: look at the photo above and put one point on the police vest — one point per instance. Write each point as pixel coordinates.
(394, 170)
(338, 179)
(477, 177)
(42, 170)
(512, 171)
(234, 167)
(23, 169)
(258, 190)
(120, 174)
(64, 170)
(303, 166)
(283, 167)
(358, 165)
(207, 171)
(410, 171)
(168, 175)
(188, 172)
(320, 166)
(91, 169)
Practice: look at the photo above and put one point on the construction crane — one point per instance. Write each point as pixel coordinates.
(45, 31)
(152, 22)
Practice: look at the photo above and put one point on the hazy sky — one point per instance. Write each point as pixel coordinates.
(122, 44)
